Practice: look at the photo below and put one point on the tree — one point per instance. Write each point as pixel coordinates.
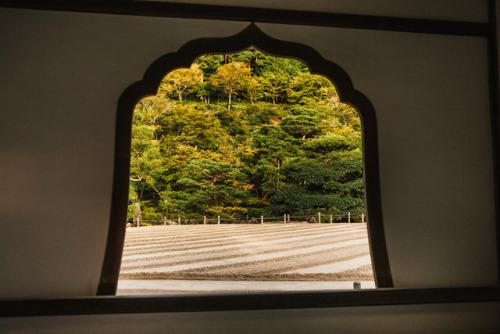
(209, 64)
(297, 151)
(301, 126)
(232, 78)
(331, 143)
(348, 116)
(253, 90)
(215, 181)
(195, 127)
(152, 110)
(334, 186)
(274, 145)
(182, 81)
(273, 142)
(147, 166)
(275, 85)
(282, 66)
(306, 86)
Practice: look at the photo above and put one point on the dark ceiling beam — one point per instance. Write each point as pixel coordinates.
(251, 14)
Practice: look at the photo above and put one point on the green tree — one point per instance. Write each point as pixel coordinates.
(275, 85)
(282, 66)
(335, 186)
(253, 90)
(209, 64)
(301, 126)
(196, 127)
(287, 146)
(182, 81)
(231, 77)
(214, 181)
(331, 143)
(306, 87)
(274, 143)
(147, 164)
(273, 146)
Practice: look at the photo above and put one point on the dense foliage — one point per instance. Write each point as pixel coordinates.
(245, 134)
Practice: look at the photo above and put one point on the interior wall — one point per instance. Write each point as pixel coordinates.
(62, 76)
(430, 95)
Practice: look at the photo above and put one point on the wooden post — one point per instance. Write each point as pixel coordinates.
(204, 220)
(331, 218)
(262, 219)
(284, 218)
(349, 217)
(246, 219)
(319, 217)
(179, 219)
(288, 217)
(218, 220)
(164, 220)
(137, 213)
(363, 218)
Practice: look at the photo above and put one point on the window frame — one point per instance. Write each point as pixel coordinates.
(251, 36)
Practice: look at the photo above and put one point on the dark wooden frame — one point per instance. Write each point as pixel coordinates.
(494, 86)
(251, 36)
(247, 301)
(254, 14)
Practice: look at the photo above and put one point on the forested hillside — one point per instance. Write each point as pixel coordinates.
(245, 134)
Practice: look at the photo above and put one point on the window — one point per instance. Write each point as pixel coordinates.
(250, 36)
(261, 144)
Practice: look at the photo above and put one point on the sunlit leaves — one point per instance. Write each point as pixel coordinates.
(245, 134)
(232, 78)
(182, 81)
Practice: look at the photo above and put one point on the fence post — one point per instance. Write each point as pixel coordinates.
(284, 218)
(204, 220)
(218, 220)
(262, 219)
(137, 213)
(246, 219)
(349, 217)
(319, 217)
(179, 219)
(288, 217)
(363, 218)
(331, 218)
